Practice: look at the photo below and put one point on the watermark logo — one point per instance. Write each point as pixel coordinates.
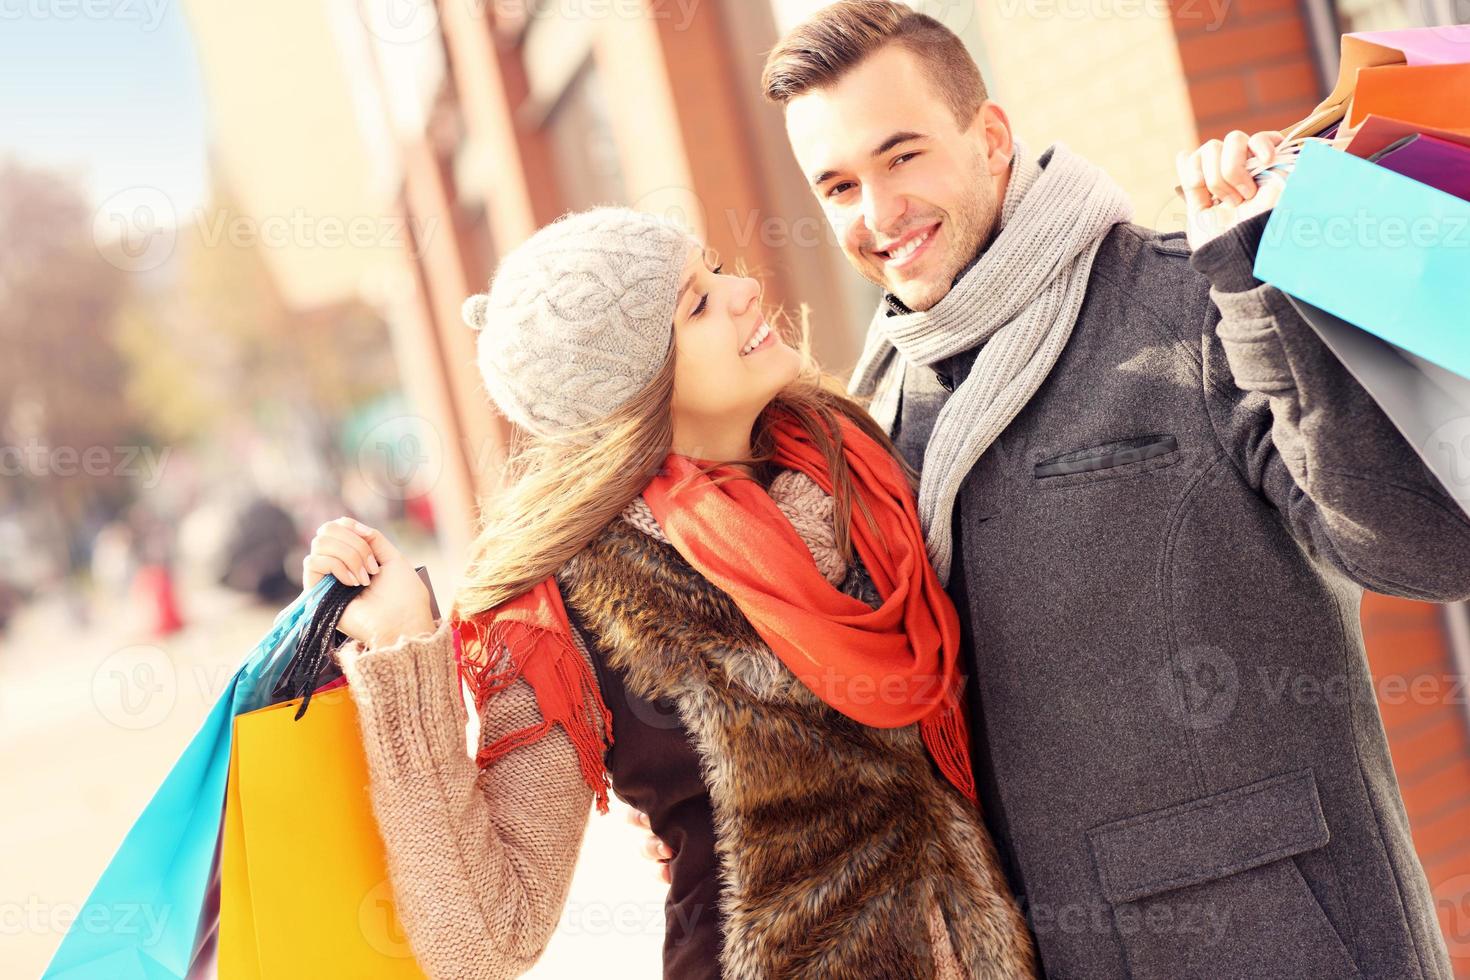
(1173, 214)
(1452, 903)
(957, 15)
(401, 457)
(147, 14)
(377, 918)
(1367, 230)
(678, 205)
(399, 21)
(1204, 923)
(626, 918)
(747, 228)
(136, 229)
(1448, 452)
(136, 687)
(1199, 687)
(143, 921)
(37, 459)
(1204, 15)
(412, 21)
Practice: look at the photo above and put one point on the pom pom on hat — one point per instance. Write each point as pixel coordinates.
(474, 310)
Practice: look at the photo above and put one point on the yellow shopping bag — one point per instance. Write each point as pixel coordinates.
(304, 886)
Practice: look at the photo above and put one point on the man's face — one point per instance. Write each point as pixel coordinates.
(911, 193)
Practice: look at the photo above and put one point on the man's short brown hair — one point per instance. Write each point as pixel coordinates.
(819, 51)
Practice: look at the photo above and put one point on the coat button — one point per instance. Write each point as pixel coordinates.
(945, 381)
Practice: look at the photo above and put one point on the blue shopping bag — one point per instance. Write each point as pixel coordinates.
(1380, 250)
(142, 920)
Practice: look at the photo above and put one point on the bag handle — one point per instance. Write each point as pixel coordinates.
(303, 674)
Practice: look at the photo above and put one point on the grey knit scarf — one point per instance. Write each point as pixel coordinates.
(1019, 300)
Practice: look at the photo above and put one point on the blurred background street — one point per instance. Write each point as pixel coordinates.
(234, 242)
(93, 715)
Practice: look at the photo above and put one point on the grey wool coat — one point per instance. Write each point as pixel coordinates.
(1160, 568)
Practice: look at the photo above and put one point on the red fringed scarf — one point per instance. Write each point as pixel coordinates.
(531, 637)
(885, 667)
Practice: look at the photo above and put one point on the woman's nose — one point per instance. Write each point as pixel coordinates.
(746, 292)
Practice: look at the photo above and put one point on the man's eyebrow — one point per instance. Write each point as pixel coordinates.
(896, 139)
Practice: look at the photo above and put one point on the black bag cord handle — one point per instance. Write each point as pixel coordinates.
(314, 649)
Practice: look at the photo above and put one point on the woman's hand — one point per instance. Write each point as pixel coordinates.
(395, 603)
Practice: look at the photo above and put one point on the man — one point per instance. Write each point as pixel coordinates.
(1156, 498)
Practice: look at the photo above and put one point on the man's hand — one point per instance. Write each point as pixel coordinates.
(653, 848)
(1219, 191)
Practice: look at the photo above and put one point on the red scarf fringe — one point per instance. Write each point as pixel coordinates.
(947, 737)
(503, 650)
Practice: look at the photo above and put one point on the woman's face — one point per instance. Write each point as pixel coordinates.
(728, 364)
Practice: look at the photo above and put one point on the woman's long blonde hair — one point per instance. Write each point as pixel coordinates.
(560, 493)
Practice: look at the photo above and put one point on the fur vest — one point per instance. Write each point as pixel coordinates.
(843, 852)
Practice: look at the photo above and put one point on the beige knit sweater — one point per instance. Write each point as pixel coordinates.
(481, 860)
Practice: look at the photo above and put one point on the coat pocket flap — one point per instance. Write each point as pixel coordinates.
(1211, 837)
(1107, 456)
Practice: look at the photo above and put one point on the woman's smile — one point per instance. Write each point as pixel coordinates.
(761, 338)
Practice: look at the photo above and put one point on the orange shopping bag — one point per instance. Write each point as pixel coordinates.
(304, 886)
(1364, 52)
(1357, 54)
(1426, 95)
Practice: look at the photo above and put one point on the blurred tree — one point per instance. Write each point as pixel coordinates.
(221, 353)
(200, 352)
(60, 372)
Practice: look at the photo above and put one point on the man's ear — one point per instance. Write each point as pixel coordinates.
(995, 129)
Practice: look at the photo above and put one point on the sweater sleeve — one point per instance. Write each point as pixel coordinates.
(480, 860)
(1309, 438)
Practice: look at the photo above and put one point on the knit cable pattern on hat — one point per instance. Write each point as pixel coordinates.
(580, 317)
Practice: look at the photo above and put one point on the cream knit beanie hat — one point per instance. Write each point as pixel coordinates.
(579, 317)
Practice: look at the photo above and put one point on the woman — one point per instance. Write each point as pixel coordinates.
(706, 583)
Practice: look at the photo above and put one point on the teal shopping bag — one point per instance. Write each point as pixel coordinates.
(142, 920)
(1380, 250)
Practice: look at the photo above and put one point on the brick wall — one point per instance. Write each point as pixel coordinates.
(1248, 64)
(1422, 699)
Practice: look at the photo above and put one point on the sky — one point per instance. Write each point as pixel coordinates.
(106, 90)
